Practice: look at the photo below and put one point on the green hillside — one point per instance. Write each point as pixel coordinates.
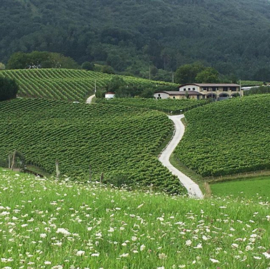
(227, 137)
(67, 84)
(233, 35)
(122, 143)
(50, 224)
(171, 106)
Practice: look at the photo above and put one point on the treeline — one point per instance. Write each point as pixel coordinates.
(143, 38)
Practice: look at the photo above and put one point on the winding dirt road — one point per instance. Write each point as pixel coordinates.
(192, 188)
(89, 99)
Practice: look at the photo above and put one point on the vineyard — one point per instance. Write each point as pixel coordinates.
(115, 143)
(66, 84)
(172, 106)
(227, 137)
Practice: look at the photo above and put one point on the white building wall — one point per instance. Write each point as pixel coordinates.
(161, 95)
(189, 88)
(109, 95)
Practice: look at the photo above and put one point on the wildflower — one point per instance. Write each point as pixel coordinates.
(267, 255)
(188, 242)
(80, 253)
(95, 254)
(63, 231)
(162, 256)
(142, 247)
(43, 235)
(124, 255)
(214, 261)
(47, 262)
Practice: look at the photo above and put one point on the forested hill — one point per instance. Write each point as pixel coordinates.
(232, 35)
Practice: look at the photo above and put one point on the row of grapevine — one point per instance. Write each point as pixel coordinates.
(171, 106)
(118, 141)
(65, 84)
(227, 137)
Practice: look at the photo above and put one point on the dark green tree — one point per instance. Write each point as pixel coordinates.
(208, 75)
(88, 66)
(187, 73)
(8, 88)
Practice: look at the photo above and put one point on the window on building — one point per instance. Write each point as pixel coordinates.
(193, 89)
(225, 89)
(184, 89)
(233, 89)
(174, 97)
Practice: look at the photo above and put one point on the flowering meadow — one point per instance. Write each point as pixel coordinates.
(46, 223)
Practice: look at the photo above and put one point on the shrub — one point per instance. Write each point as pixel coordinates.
(8, 88)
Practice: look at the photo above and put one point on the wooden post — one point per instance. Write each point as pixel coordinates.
(57, 169)
(101, 177)
(13, 159)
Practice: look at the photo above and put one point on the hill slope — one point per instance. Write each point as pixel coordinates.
(68, 84)
(227, 137)
(119, 142)
(231, 35)
(64, 225)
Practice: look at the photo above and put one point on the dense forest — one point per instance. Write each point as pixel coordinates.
(133, 36)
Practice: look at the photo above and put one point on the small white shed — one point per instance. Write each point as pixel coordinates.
(109, 95)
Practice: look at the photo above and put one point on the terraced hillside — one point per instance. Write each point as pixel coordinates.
(121, 142)
(227, 137)
(172, 106)
(65, 84)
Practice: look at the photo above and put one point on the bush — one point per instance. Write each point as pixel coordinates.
(88, 66)
(8, 88)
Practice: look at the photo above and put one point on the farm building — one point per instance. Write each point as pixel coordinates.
(202, 91)
(213, 90)
(178, 95)
(109, 95)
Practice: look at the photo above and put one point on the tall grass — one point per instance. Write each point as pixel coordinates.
(51, 224)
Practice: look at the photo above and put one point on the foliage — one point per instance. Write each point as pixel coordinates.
(72, 85)
(40, 59)
(8, 88)
(259, 90)
(133, 35)
(208, 75)
(187, 73)
(114, 140)
(171, 106)
(88, 66)
(227, 137)
(54, 224)
(2, 66)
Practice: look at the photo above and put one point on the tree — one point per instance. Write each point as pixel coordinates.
(2, 66)
(188, 72)
(8, 88)
(88, 66)
(40, 59)
(208, 75)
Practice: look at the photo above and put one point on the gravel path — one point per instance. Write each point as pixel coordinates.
(192, 188)
(89, 99)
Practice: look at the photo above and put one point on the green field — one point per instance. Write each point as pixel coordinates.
(227, 137)
(66, 84)
(51, 224)
(170, 106)
(253, 188)
(122, 143)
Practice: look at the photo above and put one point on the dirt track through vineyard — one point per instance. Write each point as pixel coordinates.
(192, 188)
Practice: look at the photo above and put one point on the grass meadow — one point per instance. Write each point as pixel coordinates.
(52, 224)
(253, 188)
